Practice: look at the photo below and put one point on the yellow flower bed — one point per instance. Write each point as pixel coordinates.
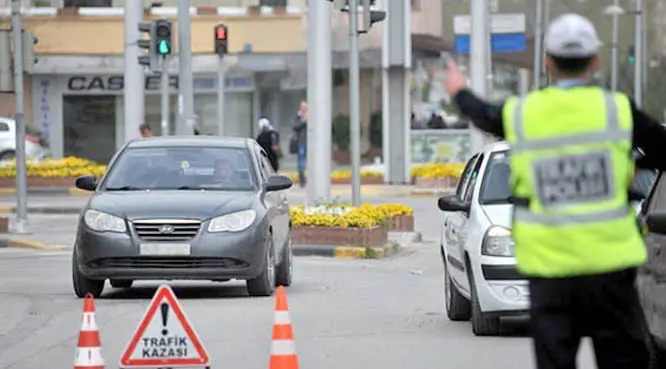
(68, 167)
(346, 216)
(343, 174)
(438, 170)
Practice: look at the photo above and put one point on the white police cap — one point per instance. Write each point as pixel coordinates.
(571, 36)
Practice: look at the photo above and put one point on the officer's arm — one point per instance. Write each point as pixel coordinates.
(650, 137)
(485, 117)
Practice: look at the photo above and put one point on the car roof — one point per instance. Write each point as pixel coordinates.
(495, 147)
(180, 141)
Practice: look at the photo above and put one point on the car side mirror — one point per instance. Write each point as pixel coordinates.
(656, 223)
(451, 203)
(278, 183)
(88, 183)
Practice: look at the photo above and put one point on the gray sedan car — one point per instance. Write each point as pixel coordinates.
(169, 208)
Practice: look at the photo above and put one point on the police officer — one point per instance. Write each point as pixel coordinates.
(575, 235)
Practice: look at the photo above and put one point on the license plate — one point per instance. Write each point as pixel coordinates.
(165, 249)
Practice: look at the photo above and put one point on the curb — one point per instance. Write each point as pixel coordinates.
(48, 210)
(348, 252)
(56, 191)
(27, 244)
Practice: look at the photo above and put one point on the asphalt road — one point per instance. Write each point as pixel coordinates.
(384, 314)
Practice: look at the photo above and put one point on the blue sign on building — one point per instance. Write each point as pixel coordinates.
(500, 43)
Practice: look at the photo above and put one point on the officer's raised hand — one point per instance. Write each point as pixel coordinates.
(455, 80)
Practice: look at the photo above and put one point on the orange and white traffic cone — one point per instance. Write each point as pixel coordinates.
(89, 348)
(283, 347)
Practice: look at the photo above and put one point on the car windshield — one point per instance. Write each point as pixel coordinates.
(181, 168)
(495, 187)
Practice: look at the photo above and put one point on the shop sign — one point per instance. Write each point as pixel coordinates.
(113, 83)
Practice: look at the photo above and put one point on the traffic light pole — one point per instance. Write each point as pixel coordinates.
(133, 94)
(185, 82)
(221, 87)
(21, 175)
(638, 51)
(164, 86)
(354, 102)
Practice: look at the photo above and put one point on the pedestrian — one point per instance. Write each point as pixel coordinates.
(300, 139)
(575, 235)
(269, 140)
(146, 130)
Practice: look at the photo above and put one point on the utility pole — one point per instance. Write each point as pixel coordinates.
(479, 36)
(614, 46)
(638, 64)
(354, 102)
(319, 90)
(164, 86)
(21, 165)
(185, 124)
(221, 49)
(134, 78)
(538, 48)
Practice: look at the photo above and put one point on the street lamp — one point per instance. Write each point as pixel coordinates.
(614, 11)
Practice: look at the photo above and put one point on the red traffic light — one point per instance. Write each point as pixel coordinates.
(221, 32)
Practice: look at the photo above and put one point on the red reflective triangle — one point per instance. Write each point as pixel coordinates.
(221, 33)
(159, 341)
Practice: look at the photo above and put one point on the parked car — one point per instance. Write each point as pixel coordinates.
(651, 279)
(34, 142)
(201, 208)
(481, 279)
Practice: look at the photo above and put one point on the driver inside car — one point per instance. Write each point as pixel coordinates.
(224, 174)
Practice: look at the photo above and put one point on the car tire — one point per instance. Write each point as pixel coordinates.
(482, 325)
(7, 155)
(121, 283)
(83, 285)
(264, 284)
(457, 306)
(285, 270)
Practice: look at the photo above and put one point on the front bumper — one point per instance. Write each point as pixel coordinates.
(220, 256)
(502, 291)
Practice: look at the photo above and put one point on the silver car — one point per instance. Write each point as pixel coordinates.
(200, 208)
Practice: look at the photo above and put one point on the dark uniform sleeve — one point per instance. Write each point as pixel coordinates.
(485, 117)
(650, 137)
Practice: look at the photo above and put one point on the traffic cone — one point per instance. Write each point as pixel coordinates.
(89, 348)
(283, 347)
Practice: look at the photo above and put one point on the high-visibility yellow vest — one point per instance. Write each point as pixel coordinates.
(570, 159)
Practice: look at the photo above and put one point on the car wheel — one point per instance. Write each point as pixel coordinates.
(7, 155)
(264, 284)
(286, 268)
(482, 325)
(457, 306)
(83, 285)
(121, 283)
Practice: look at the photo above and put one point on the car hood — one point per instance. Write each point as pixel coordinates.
(200, 205)
(500, 215)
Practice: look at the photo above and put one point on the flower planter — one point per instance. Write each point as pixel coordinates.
(362, 237)
(4, 224)
(341, 157)
(364, 180)
(401, 223)
(446, 182)
(39, 182)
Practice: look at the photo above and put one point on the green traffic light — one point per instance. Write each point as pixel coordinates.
(631, 59)
(163, 47)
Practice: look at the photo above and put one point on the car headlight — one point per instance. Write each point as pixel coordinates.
(234, 222)
(103, 222)
(497, 242)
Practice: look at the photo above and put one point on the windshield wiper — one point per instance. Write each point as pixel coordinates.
(190, 188)
(508, 200)
(125, 188)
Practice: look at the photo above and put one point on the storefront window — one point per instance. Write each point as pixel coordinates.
(89, 124)
(237, 114)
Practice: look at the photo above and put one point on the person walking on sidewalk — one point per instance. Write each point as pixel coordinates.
(575, 234)
(300, 129)
(269, 140)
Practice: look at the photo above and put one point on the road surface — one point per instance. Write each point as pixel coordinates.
(384, 314)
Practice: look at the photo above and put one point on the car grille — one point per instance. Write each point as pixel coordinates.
(167, 229)
(169, 263)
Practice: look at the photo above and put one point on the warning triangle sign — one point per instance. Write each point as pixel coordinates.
(164, 337)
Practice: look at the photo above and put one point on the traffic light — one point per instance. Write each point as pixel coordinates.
(163, 38)
(221, 41)
(150, 60)
(631, 54)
